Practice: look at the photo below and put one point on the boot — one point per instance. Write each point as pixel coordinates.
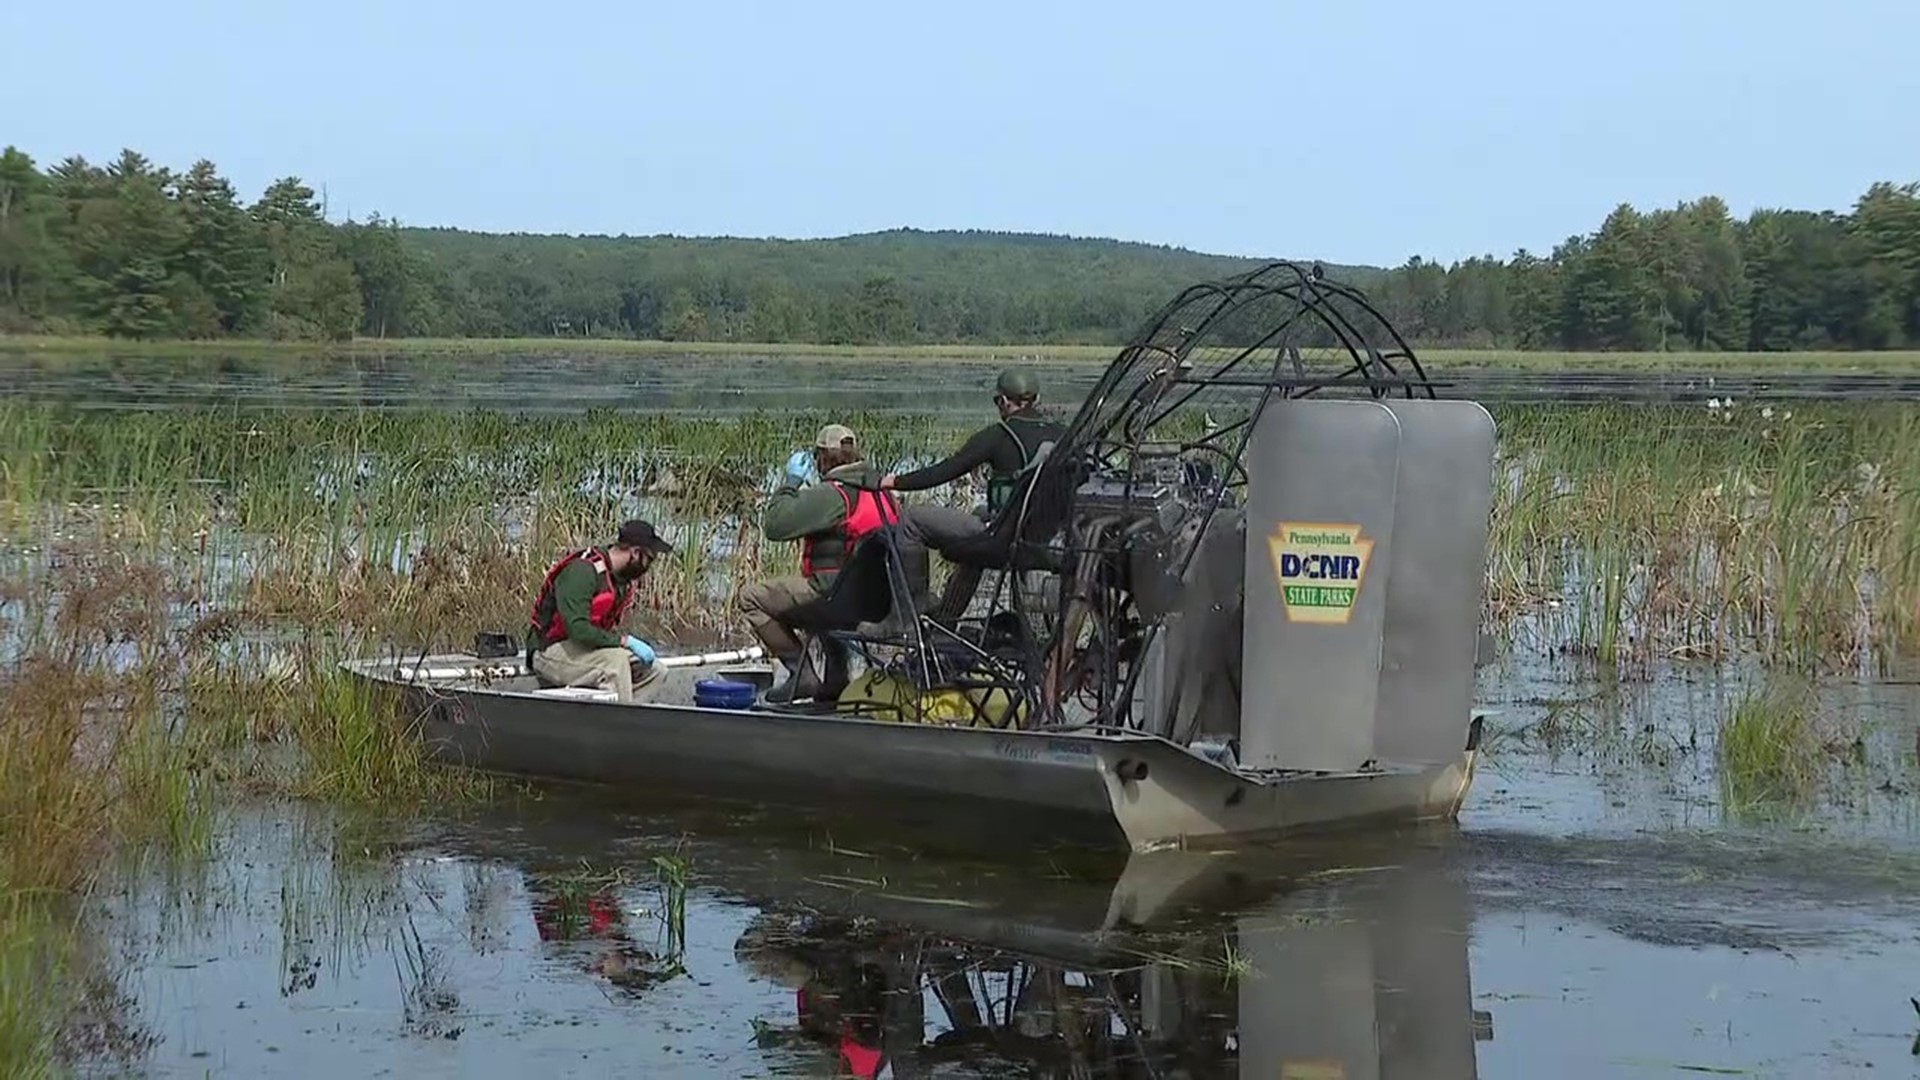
(834, 680)
(801, 685)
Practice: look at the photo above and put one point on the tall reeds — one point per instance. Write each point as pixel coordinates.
(89, 745)
(95, 761)
(1624, 533)
(1635, 533)
(34, 955)
(394, 522)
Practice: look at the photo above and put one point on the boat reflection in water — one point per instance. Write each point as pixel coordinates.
(1347, 960)
(1362, 976)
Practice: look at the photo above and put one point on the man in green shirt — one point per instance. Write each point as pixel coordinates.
(574, 637)
(1007, 449)
(829, 519)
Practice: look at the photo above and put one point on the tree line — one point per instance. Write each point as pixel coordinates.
(136, 250)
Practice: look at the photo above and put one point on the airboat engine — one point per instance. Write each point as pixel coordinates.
(1164, 506)
(1299, 587)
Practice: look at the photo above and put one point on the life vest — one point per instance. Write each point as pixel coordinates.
(866, 511)
(608, 607)
(861, 1053)
(550, 918)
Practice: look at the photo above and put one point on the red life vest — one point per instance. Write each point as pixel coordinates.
(858, 1056)
(866, 511)
(603, 918)
(608, 607)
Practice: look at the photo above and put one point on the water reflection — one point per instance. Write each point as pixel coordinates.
(559, 937)
(573, 382)
(1356, 979)
(1303, 964)
(632, 948)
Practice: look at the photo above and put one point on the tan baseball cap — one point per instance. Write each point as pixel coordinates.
(835, 436)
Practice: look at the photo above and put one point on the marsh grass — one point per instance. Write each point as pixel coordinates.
(1636, 534)
(86, 773)
(119, 726)
(409, 526)
(1622, 534)
(33, 958)
(93, 760)
(672, 876)
(1777, 748)
(567, 901)
(359, 746)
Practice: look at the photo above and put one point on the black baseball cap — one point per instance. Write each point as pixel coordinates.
(640, 534)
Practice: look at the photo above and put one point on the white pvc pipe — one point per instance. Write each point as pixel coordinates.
(732, 656)
(516, 669)
(476, 671)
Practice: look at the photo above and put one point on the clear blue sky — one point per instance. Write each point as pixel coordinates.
(1352, 131)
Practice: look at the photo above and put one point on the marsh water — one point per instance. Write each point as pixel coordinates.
(1601, 909)
(570, 381)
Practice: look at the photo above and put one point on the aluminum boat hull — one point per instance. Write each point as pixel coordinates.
(1136, 790)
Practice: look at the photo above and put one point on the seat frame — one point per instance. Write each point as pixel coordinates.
(876, 587)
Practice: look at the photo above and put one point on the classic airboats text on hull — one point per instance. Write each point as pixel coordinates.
(1240, 597)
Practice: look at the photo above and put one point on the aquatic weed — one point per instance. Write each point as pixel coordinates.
(61, 1000)
(672, 875)
(92, 760)
(1621, 533)
(1769, 751)
(359, 743)
(33, 959)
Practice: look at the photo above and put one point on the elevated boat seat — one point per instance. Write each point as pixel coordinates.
(876, 606)
(888, 565)
(1020, 538)
(876, 597)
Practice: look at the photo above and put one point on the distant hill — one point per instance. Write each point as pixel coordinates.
(138, 250)
(902, 285)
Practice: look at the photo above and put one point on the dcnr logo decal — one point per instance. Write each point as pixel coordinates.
(1320, 568)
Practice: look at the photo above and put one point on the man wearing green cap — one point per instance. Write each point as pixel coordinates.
(1008, 449)
(829, 519)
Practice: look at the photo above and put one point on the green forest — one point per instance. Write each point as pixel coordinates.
(136, 250)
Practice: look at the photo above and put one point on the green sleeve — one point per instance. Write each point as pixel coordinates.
(976, 452)
(795, 512)
(573, 594)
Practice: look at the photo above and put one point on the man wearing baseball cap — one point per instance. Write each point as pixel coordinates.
(574, 637)
(1007, 449)
(829, 519)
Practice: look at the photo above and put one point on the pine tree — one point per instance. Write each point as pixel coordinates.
(224, 253)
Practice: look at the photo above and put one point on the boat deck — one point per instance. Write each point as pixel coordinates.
(509, 675)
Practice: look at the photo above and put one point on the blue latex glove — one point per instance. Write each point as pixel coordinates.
(800, 467)
(640, 649)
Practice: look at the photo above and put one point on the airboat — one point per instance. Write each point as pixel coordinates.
(1240, 597)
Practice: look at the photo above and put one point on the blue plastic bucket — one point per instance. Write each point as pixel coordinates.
(723, 694)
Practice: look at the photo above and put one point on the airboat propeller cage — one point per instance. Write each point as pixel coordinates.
(1281, 533)
(1365, 556)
